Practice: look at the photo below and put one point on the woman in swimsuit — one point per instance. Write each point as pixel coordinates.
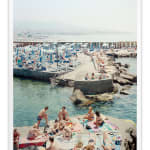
(90, 115)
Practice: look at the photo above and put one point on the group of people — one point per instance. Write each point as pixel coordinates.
(93, 77)
(88, 78)
(60, 127)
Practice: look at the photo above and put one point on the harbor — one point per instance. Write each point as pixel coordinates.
(77, 75)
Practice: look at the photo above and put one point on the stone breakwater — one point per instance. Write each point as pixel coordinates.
(126, 128)
(117, 80)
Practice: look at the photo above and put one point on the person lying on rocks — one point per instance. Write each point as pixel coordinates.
(90, 114)
(42, 114)
(63, 114)
(108, 145)
(34, 132)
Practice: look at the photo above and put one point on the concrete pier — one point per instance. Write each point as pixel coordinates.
(88, 87)
(36, 75)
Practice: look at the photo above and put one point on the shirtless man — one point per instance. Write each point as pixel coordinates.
(42, 114)
(90, 114)
(63, 114)
(99, 120)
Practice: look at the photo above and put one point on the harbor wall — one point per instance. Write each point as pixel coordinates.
(36, 75)
(94, 87)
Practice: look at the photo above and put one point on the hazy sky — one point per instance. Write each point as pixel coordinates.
(75, 15)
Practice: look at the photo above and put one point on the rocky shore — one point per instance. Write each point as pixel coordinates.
(117, 72)
(126, 128)
(122, 53)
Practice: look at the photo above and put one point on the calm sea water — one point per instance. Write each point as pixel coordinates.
(31, 96)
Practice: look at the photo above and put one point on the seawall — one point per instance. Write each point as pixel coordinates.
(36, 75)
(94, 86)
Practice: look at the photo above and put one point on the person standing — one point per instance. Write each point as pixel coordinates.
(42, 115)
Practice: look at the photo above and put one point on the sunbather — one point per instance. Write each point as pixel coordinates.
(99, 120)
(16, 139)
(90, 114)
(108, 145)
(42, 114)
(61, 125)
(67, 133)
(55, 128)
(34, 132)
(63, 114)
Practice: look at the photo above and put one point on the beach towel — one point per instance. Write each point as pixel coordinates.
(115, 127)
(40, 141)
(104, 127)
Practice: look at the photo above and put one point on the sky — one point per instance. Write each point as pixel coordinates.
(76, 16)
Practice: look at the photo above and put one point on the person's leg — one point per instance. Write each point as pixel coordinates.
(59, 116)
(38, 123)
(107, 141)
(46, 118)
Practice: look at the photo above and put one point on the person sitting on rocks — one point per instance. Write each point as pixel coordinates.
(90, 114)
(93, 76)
(67, 133)
(63, 114)
(34, 132)
(61, 126)
(87, 77)
(55, 128)
(42, 114)
(99, 120)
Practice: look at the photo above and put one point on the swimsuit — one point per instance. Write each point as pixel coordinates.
(39, 118)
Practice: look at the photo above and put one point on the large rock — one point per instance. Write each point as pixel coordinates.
(127, 129)
(129, 77)
(101, 97)
(78, 97)
(124, 90)
(130, 142)
(115, 88)
(122, 81)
